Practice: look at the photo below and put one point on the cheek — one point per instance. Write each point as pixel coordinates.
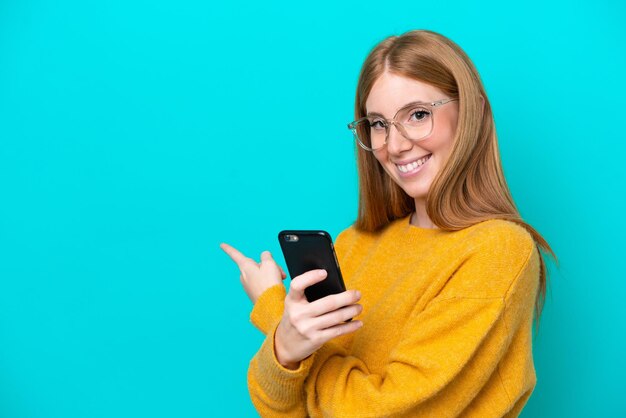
(381, 157)
(441, 140)
(383, 160)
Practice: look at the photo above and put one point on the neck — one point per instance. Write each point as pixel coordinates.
(420, 217)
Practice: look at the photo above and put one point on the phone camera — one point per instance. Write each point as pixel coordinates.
(291, 238)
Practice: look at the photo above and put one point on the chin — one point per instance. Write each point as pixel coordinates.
(417, 189)
(416, 193)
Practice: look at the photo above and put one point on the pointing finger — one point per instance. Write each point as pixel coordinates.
(237, 257)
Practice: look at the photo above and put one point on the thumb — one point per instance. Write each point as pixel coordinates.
(268, 262)
(266, 256)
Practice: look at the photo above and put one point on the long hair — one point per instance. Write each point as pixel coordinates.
(470, 188)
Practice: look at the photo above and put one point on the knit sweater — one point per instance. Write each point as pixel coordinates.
(447, 329)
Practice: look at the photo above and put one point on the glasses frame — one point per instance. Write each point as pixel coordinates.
(352, 126)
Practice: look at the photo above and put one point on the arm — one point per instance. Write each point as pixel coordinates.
(285, 396)
(446, 355)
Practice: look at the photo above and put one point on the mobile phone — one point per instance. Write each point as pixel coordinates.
(310, 250)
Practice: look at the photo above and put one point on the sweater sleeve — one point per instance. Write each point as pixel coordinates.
(268, 309)
(446, 354)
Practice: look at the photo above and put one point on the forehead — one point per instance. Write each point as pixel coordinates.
(391, 91)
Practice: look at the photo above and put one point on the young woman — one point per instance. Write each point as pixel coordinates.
(443, 273)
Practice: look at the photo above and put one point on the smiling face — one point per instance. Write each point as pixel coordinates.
(412, 165)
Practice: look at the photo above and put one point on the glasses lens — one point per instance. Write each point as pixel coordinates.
(414, 123)
(370, 135)
(417, 122)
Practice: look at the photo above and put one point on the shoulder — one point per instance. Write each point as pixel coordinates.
(351, 244)
(346, 233)
(500, 236)
(393, 228)
(496, 253)
(352, 235)
(510, 257)
(345, 236)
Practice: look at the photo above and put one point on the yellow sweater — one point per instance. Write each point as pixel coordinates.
(447, 320)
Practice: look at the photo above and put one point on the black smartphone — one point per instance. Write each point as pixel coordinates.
(310, 250)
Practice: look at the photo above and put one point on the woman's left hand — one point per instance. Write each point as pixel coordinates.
(255, 277)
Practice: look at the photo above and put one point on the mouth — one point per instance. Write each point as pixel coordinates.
(413, 166)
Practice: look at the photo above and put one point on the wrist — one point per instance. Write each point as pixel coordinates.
(281, 356)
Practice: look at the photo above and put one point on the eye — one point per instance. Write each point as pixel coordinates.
(377, 125)
(419, 115)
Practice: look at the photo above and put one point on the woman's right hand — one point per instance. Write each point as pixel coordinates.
(305, 326)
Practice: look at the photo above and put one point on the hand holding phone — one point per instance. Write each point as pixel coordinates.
(306, 326)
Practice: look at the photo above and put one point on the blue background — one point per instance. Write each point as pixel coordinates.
(136, 136)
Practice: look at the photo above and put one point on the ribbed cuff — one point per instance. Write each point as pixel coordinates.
(268, 309)
(281, 384)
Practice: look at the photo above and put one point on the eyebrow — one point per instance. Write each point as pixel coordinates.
(402, 108)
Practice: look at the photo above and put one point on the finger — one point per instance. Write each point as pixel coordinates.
(237, 257)
(266, 256)
(301, 282)
(333, 302)
(337, 317)
(338, 330)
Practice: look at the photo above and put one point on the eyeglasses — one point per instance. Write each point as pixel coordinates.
(414, 121)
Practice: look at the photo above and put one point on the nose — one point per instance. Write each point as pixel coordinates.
(396, 142)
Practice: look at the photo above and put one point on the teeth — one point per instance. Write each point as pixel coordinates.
(412, 166)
